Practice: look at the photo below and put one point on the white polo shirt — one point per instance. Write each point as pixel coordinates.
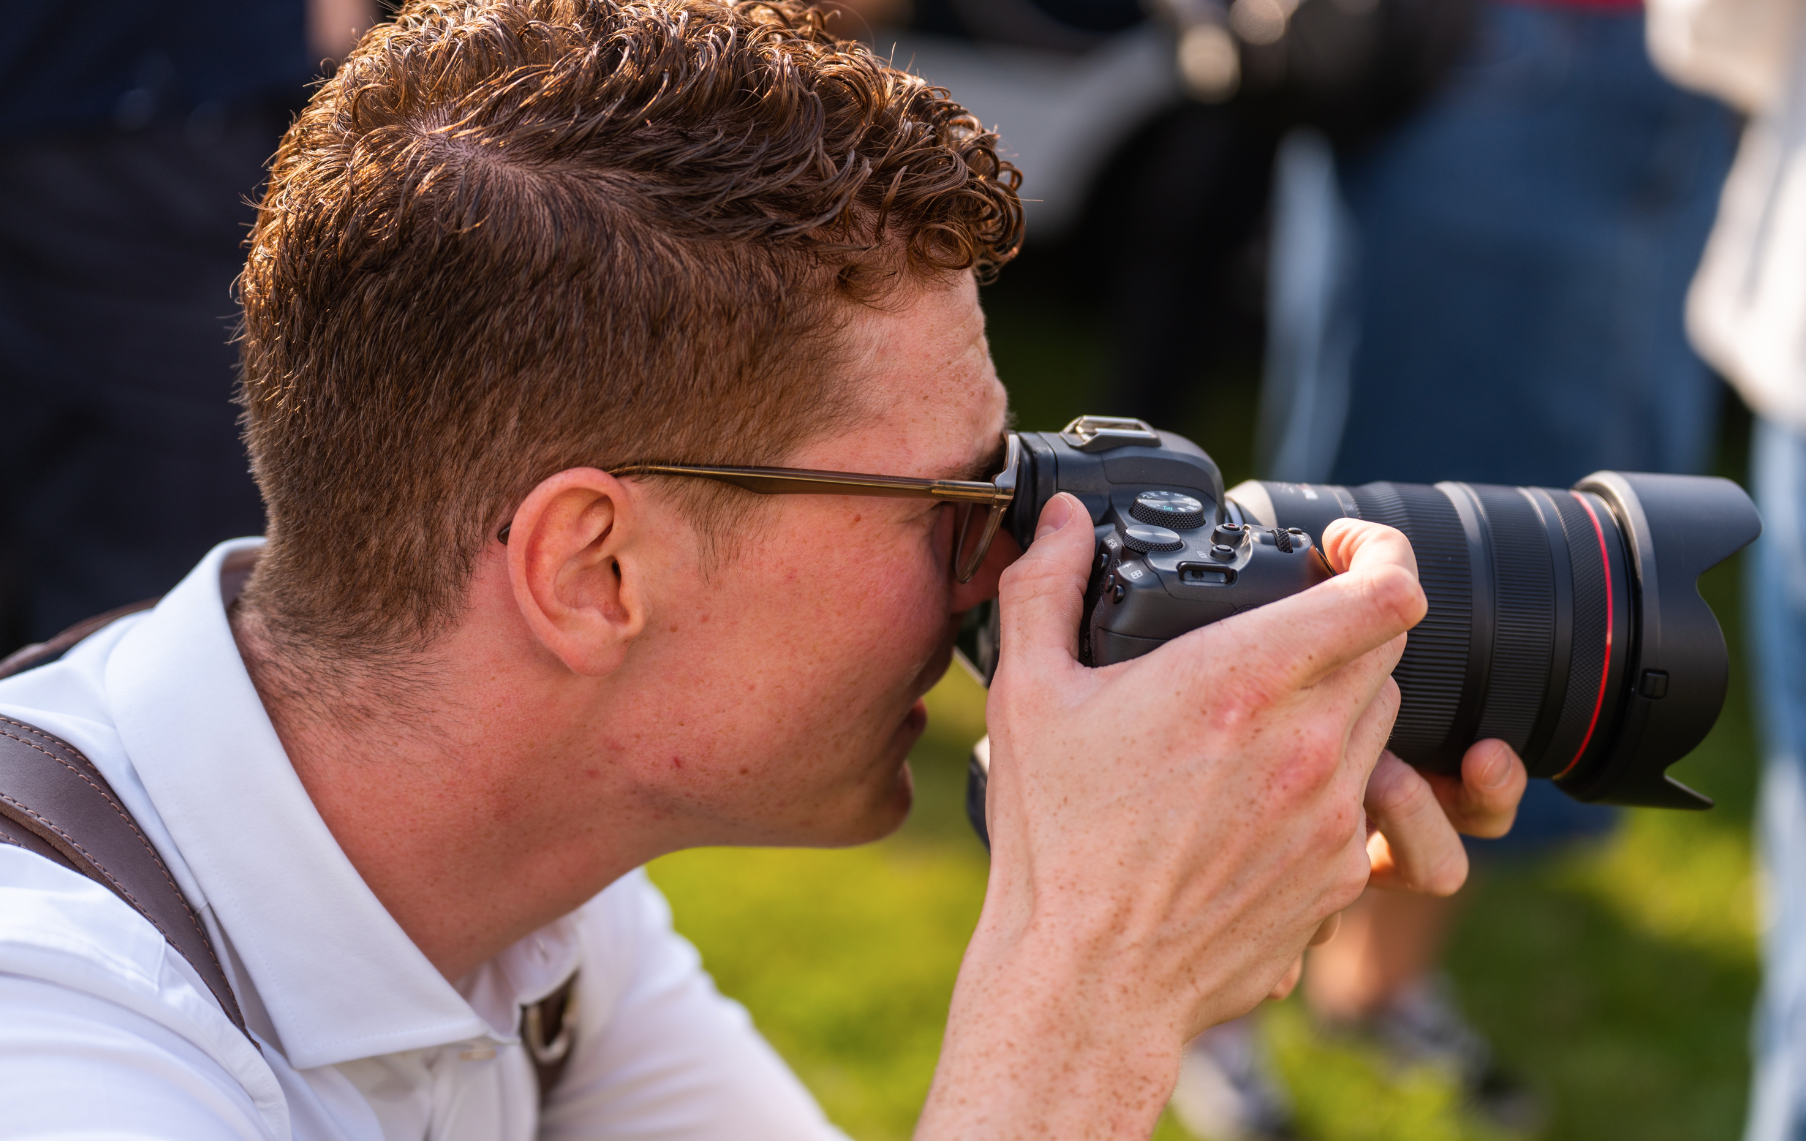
(105, 1031)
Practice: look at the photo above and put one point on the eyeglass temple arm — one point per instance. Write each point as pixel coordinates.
(794, 481)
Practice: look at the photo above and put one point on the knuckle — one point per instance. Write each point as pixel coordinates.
(1320, 748)
(1227, 716)
(1308, 767)
(1392, 793)
(1388, 700)
(1350, 881)
(1336, 825)
(1029, 580)
(1394, 591)
(1025, 573)
(1318, 739)
(1393, 537)
(1447, 877)
(1233, 708)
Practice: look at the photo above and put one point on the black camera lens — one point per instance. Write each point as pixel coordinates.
(1566, 622)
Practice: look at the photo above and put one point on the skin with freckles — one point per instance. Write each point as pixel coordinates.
(1168, 833)
(610, 697)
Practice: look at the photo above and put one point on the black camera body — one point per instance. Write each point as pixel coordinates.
(1566, 622)
(1170, 556)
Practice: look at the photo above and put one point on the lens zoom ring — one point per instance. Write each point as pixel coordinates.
(1433, 671)
(1588, 656)
(1523, 619)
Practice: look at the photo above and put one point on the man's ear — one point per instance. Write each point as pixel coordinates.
(565, 552)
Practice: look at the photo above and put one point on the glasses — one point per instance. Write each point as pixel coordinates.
(993, 496)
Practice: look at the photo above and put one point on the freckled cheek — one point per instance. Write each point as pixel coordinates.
(893, 623)
(901, 589)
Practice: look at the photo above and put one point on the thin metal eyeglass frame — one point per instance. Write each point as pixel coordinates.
(995, 496)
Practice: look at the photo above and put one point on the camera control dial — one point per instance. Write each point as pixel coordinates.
(1172, 509)
(1140, 537)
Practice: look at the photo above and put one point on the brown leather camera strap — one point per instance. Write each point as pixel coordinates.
(56, 804)
(53, 797)
(548, 1028)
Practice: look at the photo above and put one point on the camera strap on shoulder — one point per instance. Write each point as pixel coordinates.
(56, 804)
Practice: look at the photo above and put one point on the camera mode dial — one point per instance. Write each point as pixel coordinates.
(1138, 537)
(1172, 509)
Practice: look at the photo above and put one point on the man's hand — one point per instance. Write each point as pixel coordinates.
(1430, 808)
(1169, 833)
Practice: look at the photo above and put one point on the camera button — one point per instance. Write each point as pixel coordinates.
(1139, 537)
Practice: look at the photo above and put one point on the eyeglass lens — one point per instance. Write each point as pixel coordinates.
(976, 527)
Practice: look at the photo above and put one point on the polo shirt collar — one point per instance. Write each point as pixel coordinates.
(336, 974)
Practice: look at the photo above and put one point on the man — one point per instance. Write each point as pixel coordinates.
(481, 670)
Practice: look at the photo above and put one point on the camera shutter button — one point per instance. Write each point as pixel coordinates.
(1140, 537)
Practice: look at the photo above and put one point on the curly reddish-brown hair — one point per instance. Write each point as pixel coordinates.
(513, 237)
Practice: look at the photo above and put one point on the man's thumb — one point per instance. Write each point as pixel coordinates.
(1042, 594)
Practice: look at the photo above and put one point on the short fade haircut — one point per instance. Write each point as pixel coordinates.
(514, 237)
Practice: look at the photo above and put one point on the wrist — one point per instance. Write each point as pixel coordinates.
(1049, 1037)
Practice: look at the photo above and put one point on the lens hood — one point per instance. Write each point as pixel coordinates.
(1566, 622)
(1676, 528)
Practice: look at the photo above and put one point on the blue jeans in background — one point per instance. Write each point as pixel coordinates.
(1776, 623)
(1526, 243)
(1507, 303)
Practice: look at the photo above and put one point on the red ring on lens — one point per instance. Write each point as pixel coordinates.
(1605, 668)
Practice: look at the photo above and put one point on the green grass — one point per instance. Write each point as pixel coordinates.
(1620, 978)
(1616, 980)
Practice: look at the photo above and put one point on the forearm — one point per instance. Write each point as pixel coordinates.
(1041, 1044)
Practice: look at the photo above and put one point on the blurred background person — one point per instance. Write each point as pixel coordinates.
(1490, 292)
(1747, 314)
(1518, 255)
(133, 140)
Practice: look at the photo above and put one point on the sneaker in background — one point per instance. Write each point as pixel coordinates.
(1225, 1090)
(1424, 1027)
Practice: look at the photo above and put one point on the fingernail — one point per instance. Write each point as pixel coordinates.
(1054, 516)
(1495, 770)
